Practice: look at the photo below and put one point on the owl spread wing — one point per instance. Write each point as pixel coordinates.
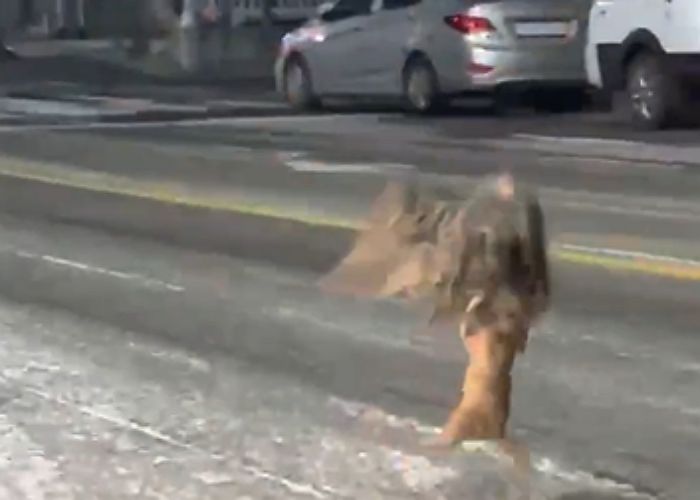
(483, 257)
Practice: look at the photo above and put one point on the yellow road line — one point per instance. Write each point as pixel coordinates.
(176, 194)
(161, 191)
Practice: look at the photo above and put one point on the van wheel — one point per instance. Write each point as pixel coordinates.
(654, 95)
(298, 87)
(420, 87)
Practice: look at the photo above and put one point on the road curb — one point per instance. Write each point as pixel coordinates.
(149, 115)
(156, 115)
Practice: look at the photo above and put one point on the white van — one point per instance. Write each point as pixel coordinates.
(651, 50)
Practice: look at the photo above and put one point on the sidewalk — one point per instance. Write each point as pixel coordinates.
(96, 80)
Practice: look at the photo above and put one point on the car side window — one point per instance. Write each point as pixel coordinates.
(346, 9)
(399, 4)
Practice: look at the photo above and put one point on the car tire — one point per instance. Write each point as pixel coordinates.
(421, 90)
(7, 54)
(653, 94)
(298, 86)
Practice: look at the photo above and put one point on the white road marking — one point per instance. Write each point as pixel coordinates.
(117, 421)
(651, 155)
(293, 486)
(669, 404)
(337, 167)
(157, 435)
(213, 152)
(229, 103)
(577, 140)
(584, 200)
(691, 367)
(551, 468)
(289, 155)
(174, 356)
(34, 107)
(630, 254)
(620, 210)
(541, 464)
(89, 268)
(661, 207)
(591, 162)
(293, 313)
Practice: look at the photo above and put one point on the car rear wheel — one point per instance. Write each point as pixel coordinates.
(7, 54)
(654, 95)
(421, 89)
(298, 87)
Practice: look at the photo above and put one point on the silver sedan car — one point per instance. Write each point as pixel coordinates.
(430, 51)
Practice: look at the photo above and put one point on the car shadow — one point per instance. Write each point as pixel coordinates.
(457, 110)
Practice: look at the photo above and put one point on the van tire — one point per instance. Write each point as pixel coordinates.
(654, 95)
(421, 90)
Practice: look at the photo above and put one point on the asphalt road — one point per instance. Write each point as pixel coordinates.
(171, 270)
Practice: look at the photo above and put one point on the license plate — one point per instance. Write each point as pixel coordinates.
(544, 29)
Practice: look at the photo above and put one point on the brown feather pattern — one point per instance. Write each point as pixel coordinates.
(488, 250)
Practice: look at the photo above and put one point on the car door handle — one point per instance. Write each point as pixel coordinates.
(340, 34)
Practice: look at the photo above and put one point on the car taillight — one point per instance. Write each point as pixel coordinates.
(470, 25)
(479, 69)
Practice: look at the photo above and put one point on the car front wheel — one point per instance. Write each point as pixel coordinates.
(298, 87)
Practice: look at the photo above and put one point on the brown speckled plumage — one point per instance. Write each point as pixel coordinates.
(481, 260)
(421, 242)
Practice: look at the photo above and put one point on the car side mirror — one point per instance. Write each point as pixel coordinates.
(331, 12)
(324, 8)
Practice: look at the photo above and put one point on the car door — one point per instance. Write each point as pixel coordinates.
(386, 43)
(336, 59)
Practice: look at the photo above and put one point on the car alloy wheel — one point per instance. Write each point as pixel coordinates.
(297, 86)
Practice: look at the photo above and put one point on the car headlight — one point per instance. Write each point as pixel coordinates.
(306, 34)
